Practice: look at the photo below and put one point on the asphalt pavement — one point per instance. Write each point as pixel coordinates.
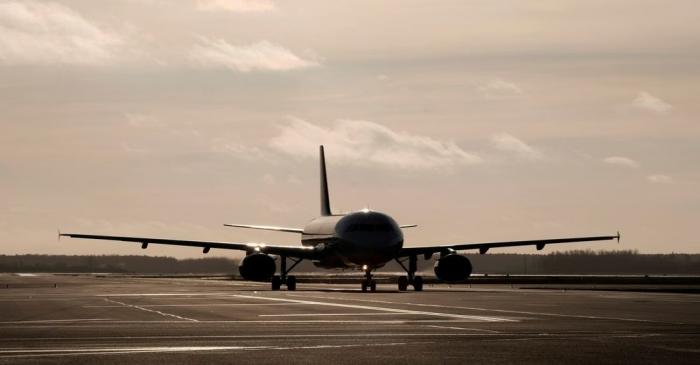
(47, 318)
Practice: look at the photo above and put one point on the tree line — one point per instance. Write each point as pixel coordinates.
(575, 262)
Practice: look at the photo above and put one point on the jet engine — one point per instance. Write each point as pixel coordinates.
(257, 267)
(453, 267)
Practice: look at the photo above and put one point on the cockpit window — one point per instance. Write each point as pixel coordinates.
(368, 227)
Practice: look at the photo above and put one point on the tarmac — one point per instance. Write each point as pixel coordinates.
(47, 318)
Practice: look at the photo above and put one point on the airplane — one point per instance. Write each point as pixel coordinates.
(364, 239)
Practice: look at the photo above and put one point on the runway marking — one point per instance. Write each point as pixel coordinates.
(462, 328)
(352, 335)
(196, 305)
(151, 310)
(44, 299)
(383, 309)
(331, 314)
(133, 349)
(60, 320)
(23, 353)
(184, 294)
(499, 310)
(270, 321)
(224, 337)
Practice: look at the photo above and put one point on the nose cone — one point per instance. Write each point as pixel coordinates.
(373, 238)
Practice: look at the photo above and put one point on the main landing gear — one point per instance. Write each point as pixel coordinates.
(411, 278)
(369, 283)
(289, 280)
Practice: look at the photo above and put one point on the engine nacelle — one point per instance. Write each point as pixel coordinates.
(453, 267)
(257, 267)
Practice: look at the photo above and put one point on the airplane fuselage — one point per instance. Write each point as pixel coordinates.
(352, 240)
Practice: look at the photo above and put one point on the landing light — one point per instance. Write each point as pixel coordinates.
(364, 267)
(365, 210)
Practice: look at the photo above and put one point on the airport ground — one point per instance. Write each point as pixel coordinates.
(92, 319)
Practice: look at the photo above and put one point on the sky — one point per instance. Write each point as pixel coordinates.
(477, 120)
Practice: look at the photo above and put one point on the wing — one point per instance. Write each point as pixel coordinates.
(291, 251)
(408, 226)
(267, 228)
(485, 246)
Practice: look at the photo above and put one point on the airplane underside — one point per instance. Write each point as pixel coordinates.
(339, 262)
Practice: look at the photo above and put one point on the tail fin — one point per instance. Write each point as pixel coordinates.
(325, 201)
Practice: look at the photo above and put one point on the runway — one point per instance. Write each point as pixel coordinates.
(89, 319)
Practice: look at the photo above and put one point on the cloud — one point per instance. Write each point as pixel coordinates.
(648, 102)
(660, 179)
(263, 56)
(128, 148)
(293, 179)
(236, 6)
(268, 179)
(621, 161)
(363, 143)
(508, 143)
(240, 151)
(498, 88)
(43, 33)
(143, 120)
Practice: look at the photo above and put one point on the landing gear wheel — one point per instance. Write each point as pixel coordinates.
(291, 283)
(364, 286)
(418, 283)
(276, 282)
(403, 283)
(373, 285)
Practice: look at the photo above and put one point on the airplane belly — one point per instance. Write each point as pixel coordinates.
(373, 255)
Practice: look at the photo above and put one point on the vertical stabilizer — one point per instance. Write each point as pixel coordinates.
(325, 201)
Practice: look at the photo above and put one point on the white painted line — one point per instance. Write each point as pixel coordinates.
(332, 314)
(42, 298)
(183, 294)
(151, 310)
(197, 305)
(60, 320)
(133, 349)
(23, 353)
(233, 322)
(384, 309)
(462, 328)
(545, 314)
(226, 337)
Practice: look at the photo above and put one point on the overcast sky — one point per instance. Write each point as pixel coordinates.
(476, 120)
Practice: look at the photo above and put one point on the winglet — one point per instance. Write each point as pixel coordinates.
(618, 237)
(58, 238)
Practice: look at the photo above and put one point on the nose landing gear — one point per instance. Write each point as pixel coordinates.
(369, 283)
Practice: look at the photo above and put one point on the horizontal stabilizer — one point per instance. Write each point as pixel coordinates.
(267, 228)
